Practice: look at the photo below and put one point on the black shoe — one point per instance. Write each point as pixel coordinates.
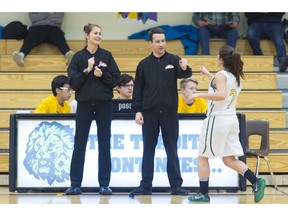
(179, 191)
(141, 191)
(283, 65)
(105, 191)
(73, 191)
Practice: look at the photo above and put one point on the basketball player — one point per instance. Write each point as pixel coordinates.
(219, 136)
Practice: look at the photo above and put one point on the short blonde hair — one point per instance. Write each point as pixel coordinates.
(183, 82)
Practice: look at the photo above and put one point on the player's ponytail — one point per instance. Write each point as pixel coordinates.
(232, 62)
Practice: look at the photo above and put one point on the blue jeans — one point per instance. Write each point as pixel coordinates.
(270, 31)
(210, 31)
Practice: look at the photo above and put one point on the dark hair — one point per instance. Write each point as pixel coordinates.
(124, 78)
(232, 62)
(88, 28)
(183, 82)
(58, 82)
(155, 31)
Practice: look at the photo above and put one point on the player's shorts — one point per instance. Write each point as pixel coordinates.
(220, 137)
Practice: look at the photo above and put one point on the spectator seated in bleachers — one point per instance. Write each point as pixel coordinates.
(57, 103)
(45, 29)
(216, 25)
(267, 26)
(188, 104)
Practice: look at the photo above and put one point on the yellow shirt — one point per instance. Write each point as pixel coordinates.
(50, 105)
(199, 106)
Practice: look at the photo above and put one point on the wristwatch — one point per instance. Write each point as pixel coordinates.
(85, 71)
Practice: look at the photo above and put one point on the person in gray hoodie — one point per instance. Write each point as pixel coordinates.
(45, 28)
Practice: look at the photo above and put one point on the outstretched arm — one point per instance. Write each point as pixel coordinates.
(203, 70)
(221, 92)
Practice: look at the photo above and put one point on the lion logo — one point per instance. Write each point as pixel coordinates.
(49, 151)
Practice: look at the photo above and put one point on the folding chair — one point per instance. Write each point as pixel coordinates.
(260, 128)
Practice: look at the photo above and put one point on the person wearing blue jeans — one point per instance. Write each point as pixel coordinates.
(216, 25)
(267, 26)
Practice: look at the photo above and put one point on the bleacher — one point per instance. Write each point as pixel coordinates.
(21, 88)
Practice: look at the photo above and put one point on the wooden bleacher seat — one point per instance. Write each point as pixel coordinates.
(252, 81)
(4, 157)
(242, 46)
(5, 118)
(278, 140)
(56, 63)
(276, 118)
(279, 163)
(4, 163)
(251, 63)
(2, 47)
(4, 140)
(136, 47)
(42, 81)
(117, 47)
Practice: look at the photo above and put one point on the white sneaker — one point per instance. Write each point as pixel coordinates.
(18, 58)
(69, 56)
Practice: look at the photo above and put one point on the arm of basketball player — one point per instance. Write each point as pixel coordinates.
(204, 71)
(221, 89)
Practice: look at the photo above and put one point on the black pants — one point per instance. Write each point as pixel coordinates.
(168, 122)
(44, 34)
(102, 112)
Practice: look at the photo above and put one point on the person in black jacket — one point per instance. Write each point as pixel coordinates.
(155, 100)
(93, 73)
(267, 26)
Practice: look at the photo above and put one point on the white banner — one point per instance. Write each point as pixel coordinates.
(44, 149)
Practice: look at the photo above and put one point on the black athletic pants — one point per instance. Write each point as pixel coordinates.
(44, 34)
(168, 122)
(86, 112)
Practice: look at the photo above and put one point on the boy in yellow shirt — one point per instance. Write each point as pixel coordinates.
(188, 104)
(57, 103)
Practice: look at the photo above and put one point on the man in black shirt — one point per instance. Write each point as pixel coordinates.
(155, 100)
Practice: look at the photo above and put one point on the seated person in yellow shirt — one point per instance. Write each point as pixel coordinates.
(188, 104)
(57, 103)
